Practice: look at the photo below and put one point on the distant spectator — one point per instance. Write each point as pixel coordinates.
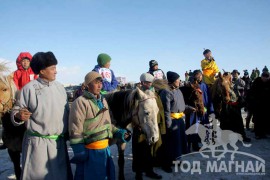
(186, 76)
(190, 73)
(258, 73)
(265, 69)
(253, 75)
(79, 91)
(155, 71)
(248, 83)
(260, 98)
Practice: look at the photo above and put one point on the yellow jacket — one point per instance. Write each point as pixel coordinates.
(209, 69)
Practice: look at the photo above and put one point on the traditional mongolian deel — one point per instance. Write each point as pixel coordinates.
(210, 69)
(44, 153)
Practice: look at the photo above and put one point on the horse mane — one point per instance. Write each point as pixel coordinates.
(3, 67)
(122, 104)
(160, 84)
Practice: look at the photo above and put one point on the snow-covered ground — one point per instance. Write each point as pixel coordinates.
(260, 148)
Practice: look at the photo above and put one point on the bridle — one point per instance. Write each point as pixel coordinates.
(136, 114)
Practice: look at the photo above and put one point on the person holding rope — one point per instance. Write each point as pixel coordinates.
(43, 108)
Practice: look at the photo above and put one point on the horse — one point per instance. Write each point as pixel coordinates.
(136, 108)
(193, 96)
(12, 135)
(213, 138)
(221, 91)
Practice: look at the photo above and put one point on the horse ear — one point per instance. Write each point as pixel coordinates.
(10, 77)
(140, 93)
(220, 75)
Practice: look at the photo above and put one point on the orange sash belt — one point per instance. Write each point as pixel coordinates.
(208, 72)
(177, 115)
(98, 144)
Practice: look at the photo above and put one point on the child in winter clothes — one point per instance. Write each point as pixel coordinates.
(103, 68)
(24, 74)
(155, 71)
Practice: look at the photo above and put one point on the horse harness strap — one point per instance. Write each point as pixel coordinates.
(232, 103)
(137, 110)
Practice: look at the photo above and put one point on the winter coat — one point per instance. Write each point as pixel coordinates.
(87, 122)
(109, 81)
(21, 76)
(210, 69)
(158, 74)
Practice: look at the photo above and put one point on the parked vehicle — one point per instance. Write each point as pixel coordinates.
(71, 92)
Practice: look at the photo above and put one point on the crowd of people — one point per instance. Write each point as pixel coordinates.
(42, 108)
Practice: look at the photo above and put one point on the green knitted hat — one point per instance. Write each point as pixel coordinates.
(103, 59)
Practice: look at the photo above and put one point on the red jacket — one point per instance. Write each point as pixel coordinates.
(22, 76)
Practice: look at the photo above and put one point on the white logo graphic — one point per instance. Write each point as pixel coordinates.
(216, 141)
(214, 137)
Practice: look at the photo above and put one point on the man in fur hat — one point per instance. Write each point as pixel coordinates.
(43, 108)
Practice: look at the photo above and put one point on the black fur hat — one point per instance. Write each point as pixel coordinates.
(42, 60)
(197, 71)
(172, 76)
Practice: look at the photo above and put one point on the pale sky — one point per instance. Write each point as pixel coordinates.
(133, 32)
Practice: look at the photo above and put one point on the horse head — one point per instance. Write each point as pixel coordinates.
(7, 91)
(221, 88)
(197, 97)
(147, 114)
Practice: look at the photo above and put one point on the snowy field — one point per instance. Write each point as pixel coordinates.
(260, 148)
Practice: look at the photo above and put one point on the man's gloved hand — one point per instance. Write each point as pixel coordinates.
(169, 124)
(122, 135)
(80, 153)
